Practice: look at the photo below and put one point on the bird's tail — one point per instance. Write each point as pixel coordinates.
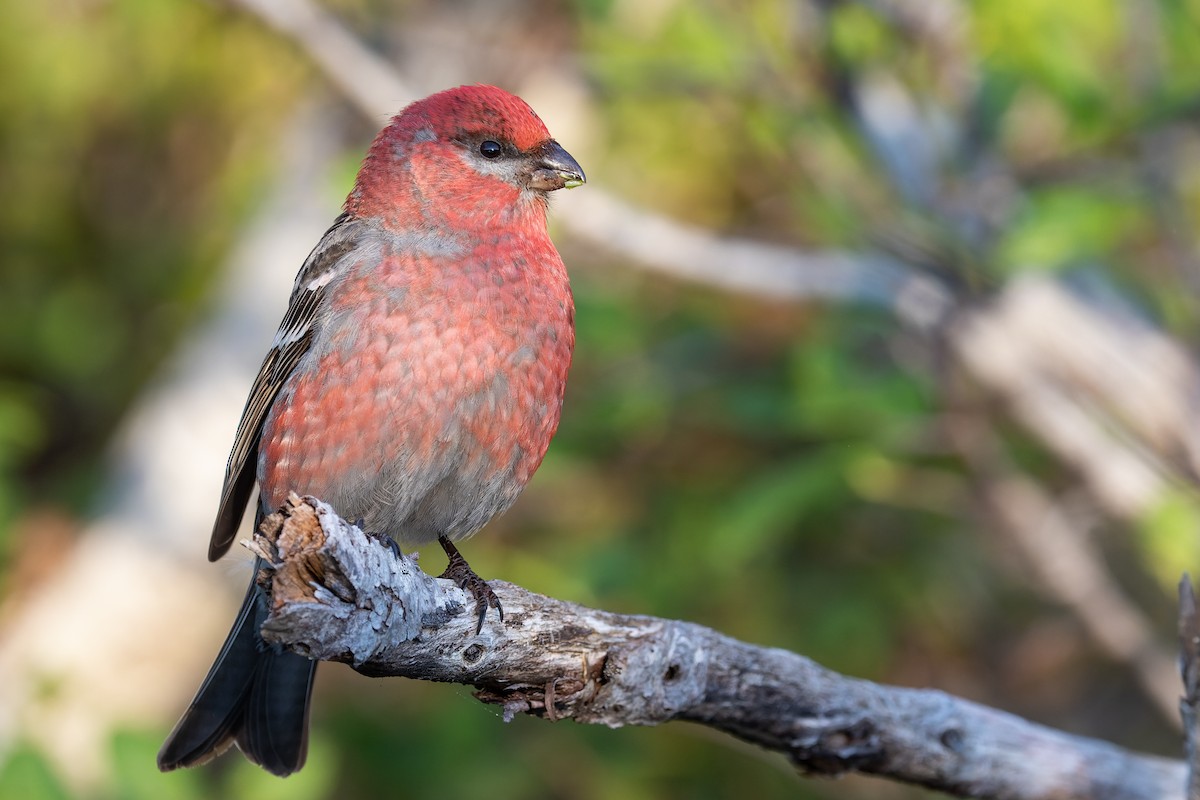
(256, 695)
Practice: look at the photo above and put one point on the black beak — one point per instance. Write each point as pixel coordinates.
(554, 168)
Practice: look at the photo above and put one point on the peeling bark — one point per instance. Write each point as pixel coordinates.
(340, 595)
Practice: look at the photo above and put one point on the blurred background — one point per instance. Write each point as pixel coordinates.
(886, 314)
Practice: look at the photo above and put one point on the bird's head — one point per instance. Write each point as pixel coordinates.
(474, 152)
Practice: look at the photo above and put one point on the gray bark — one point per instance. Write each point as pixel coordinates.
(340, 595)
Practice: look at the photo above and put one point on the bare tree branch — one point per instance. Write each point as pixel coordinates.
(1069, 568)
(1107, 392)
(337, 594)
(1189, 666)
(357, 72)
(769, 271)
(1066, 565)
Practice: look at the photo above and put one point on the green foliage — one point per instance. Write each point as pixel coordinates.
(1067, 48)
(1065, 227)
(131, 753)
(125, 131)
(1169, 537)
(857, 35)
(26, 774)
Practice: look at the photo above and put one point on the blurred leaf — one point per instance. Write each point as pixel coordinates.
(1064, 47)
(1170, 538)
(1065, 226)
(134, 775)
(857, 34)
(27, 775)
(773, 503)
(314, 782)
(838, 393)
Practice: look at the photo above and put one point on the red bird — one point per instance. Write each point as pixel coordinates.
(414, 384)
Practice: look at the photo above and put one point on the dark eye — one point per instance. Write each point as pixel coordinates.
(490, 149)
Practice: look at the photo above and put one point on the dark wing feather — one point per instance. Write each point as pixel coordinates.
(292, 341)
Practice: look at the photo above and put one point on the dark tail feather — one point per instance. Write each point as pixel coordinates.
(274, 730)
(255, 694)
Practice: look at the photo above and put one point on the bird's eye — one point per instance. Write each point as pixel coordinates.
(490, 149)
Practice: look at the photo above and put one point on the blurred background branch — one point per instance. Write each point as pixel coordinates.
(999, 233)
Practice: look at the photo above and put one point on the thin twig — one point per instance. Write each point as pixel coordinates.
(1189, 665)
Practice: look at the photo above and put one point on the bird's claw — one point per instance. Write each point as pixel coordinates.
(459, 571)
(384, 539)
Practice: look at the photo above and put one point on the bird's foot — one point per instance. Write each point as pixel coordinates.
(384, 539)
(459, 571)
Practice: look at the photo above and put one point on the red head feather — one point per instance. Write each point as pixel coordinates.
(417, 161)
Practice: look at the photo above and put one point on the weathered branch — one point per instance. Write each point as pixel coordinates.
(339, 595)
